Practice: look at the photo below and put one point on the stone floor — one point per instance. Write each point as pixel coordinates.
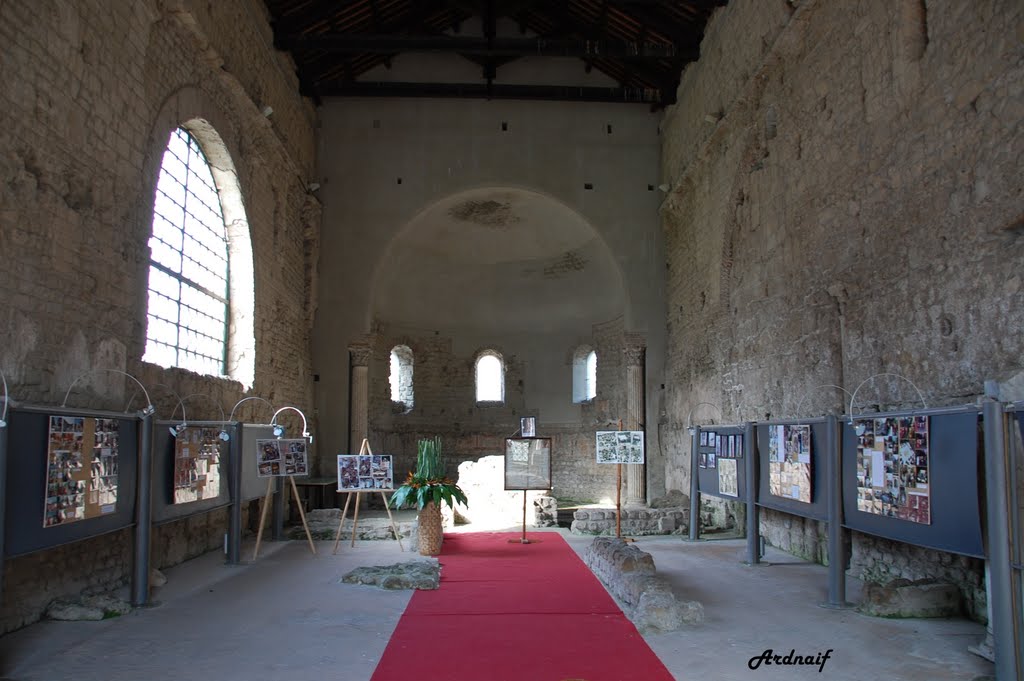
(286, 616)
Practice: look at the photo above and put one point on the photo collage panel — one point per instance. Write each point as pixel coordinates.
(620, 446)
(789, 462)
(81, 472)
(365, 472)
(715, 446)
(276, 458)
(196, 465)
(893, 474)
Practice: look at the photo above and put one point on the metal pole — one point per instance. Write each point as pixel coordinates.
(143, 515)
(3, 492)
(750, 468)
(836, 548)
(694, 483)
(998, 536)
(235, 493)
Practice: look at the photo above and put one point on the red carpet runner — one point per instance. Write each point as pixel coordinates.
(515, 612)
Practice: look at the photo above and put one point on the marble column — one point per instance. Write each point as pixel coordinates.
(359, 404)
(636, 474)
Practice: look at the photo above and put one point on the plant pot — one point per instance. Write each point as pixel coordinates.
(431, 530)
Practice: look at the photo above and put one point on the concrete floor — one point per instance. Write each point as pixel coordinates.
(287, 617)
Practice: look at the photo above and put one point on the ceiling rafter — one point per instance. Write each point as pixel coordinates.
(641, 44)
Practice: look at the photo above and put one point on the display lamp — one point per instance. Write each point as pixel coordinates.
(224, 434)
(148, 410)
(7, 400)
(690, 428)
(279, 429)
(858, 425)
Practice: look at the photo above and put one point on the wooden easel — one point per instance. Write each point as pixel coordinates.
(263, 514)
(363, 450)
(618, 499)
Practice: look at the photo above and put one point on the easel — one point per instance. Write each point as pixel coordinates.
(363, 450)
(524, 540)
(266, 505)
(618, 499)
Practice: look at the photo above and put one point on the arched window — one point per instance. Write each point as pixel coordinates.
(187, 311)
(584, 374)
(401, 376)
(490, 377)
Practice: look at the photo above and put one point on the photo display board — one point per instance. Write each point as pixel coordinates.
(892, 468)
(719, 459)
(789, 462)
(527, 463)
(276, 458)
(365, 472)
(954, 500)
(196, 464)
(620, 446)
(81, 469)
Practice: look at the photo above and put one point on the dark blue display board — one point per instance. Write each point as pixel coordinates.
(708, 477)
(954, 484)
(25, 496)
(164, 508)
(818, 507)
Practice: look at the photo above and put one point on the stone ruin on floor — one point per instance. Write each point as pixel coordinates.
(630, 576)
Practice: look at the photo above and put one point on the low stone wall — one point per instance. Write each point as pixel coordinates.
(635, 521)
(631, 578)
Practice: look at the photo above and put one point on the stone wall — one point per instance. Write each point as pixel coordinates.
(444, 405)
(845, 201)
(91, 91)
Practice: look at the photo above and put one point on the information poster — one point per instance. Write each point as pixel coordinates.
(893, 475)
(81, 469)
(528, 463)
(728, 482)
(620, 446)
(362, 472)
(275, 458)
(789, 462)
(196, 464)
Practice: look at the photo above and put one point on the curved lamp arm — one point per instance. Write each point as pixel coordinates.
(7, 401)
(147, 410)
(853, 397)
(279, 430)
(184, 399)
(224, 435)
(823, 385)
(689, 417)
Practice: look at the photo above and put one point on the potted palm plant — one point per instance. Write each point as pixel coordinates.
(426, 489)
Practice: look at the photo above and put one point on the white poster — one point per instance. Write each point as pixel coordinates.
(620, 446)
(365, 472)
(727, 479)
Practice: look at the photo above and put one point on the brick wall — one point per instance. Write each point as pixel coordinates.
(846, 201)
(90, 92)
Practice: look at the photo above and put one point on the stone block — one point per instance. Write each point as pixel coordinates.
(903, 598)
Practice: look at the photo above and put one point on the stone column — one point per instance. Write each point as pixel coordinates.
(359, 405)
(636, 474)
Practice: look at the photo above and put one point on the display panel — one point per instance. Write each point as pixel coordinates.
(789, 462)
(196, 464)
(892, 468)
(620, 446)
(365, 472)
(528, 463)
(275, 458)
(81, 469)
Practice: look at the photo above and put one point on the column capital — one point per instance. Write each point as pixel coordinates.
(360, 353)
(633, 352)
